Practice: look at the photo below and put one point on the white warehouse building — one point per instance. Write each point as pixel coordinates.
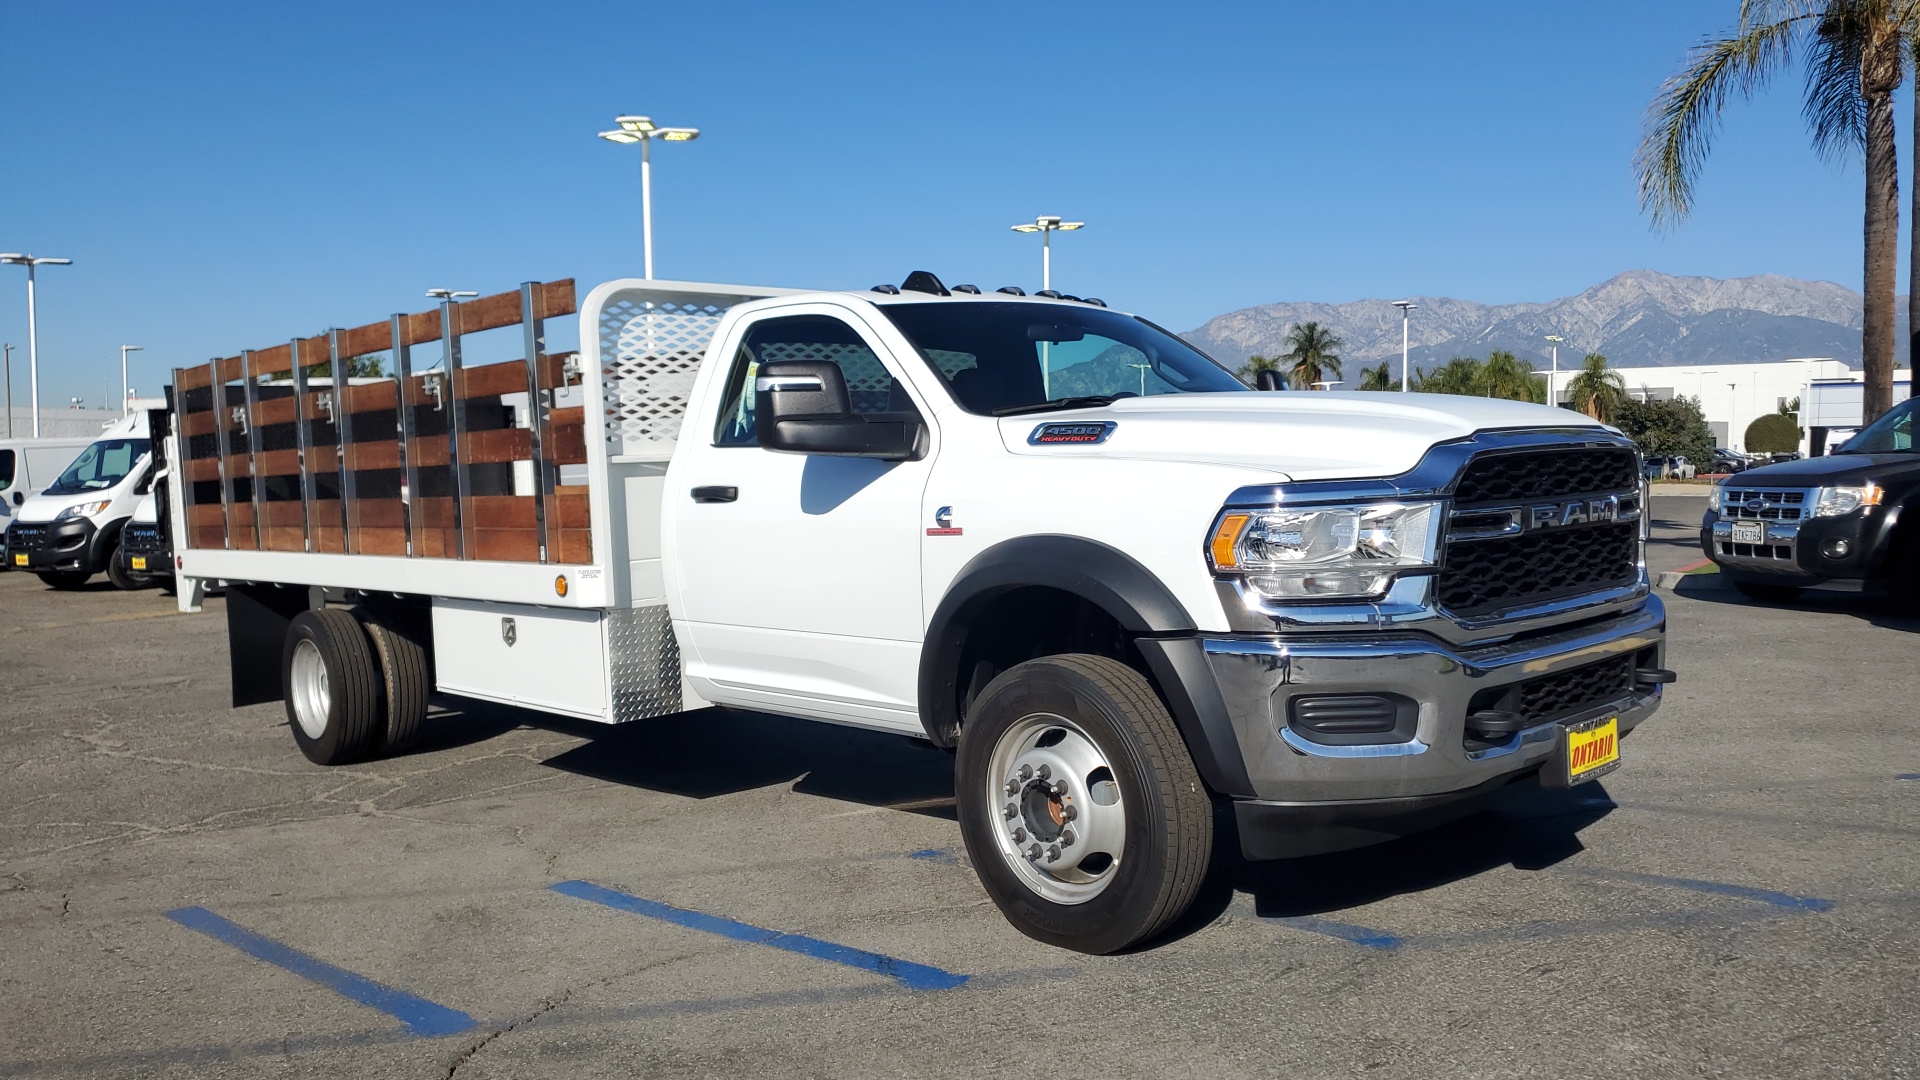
(1735, 395)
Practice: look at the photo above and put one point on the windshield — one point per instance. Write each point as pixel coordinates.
(1891, 434)
(6, 469)
(996, 357)
(100, 465)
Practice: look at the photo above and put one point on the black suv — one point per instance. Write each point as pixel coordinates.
(1848, 516)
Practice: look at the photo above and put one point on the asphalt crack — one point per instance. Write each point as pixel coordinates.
(546, 1006)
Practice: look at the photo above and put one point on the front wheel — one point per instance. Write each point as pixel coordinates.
(122, 577)
(64, 579)
(1079, 804)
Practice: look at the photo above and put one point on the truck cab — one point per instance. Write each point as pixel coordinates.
(70, 531)
(26, 466)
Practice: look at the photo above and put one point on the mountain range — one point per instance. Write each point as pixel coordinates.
(1641, 318)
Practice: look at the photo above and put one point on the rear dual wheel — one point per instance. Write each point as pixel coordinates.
(353, 689)
(1081, 809)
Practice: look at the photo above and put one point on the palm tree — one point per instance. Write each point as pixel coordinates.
(1250, 371)
(1857, 56)
(1311, 348)
(1507, 376)
(1461, 375)
(1376, 378)
(1596, 390)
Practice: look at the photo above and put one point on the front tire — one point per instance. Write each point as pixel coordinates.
(332, 687)
(122, 577)
(1079, 804)
(64, 580)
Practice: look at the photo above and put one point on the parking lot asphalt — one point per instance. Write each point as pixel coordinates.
(182, 894)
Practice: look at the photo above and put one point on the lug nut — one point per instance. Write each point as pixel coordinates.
(1013, 787)
(1066, 838)
(1059, 786)
(1033, 852)
(1046, 772)
(1020, 836)
(1068, 812)
(1053, 853)
(1026, 772)
(1010, 811)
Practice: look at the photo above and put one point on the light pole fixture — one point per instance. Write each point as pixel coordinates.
(450, 294)
(33, 336)
(1553, 380)
(1405, 307)
(642, 130)
(1046, 225)
(124, 350)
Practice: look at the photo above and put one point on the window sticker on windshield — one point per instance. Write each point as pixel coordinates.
(1053, 434)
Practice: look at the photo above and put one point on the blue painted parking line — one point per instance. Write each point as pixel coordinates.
(421, 1016)
(1908, 776)
(934, 855)
(1789, 901)
(908, 974)
(1359, 935)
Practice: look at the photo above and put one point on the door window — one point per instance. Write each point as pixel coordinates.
(6, 470)
(804, 337)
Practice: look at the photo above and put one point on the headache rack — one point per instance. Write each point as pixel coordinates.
(533, 480)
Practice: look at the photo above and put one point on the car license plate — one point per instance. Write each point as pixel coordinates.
(139, 562)
(20, 558)
(1749, 532)
(1593, 749)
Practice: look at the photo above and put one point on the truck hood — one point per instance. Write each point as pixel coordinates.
(1832, 469)
(42, 508)
(1311, 435)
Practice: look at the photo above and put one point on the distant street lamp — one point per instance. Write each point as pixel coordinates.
(1327, 384)
(1553, 380)
(124, 350)
(640, 129)
(1046, 225)
(33, 336)
(450, 294)
(9, 349)
(1405, 306)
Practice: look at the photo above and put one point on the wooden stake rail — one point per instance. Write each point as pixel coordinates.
(451, 462)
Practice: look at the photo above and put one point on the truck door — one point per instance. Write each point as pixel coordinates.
(797, 577)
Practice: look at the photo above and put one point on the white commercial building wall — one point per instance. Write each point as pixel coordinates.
(1734, 395)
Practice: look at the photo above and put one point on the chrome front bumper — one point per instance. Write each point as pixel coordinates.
(1259, 675)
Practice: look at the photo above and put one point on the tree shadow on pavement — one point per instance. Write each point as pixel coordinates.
(721, 751)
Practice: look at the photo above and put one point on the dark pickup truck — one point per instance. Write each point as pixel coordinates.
(1849, 516)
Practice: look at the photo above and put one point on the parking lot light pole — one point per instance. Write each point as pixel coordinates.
(1553, 379)
(124, 350)
(33, 335)
(642, 130)
(1046, 225)
(1405, 307)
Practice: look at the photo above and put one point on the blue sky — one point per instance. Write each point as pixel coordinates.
(229, 175)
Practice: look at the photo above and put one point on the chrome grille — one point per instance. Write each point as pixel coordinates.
(1749, 504)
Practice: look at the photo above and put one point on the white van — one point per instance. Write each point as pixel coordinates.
(70, 530)
(27, 465)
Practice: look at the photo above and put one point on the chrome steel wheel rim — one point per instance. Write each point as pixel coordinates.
(1056, 809)
(311, 694)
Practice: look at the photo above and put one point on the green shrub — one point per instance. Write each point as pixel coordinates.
(1775, 434)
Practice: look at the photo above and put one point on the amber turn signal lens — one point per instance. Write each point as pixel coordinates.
(1224, 539)
(560, 585)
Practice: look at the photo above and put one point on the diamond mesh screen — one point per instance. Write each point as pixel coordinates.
(651, 346)
(644, 659)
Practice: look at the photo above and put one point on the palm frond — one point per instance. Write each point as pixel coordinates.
(1835, 110)
(1684, 117)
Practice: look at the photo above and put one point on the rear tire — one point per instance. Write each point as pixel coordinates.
(1119, 854)
(332, 687)
(65, 579)
(1778, 594)
(405, 680)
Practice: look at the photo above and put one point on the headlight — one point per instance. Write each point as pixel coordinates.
(1834, 501)
(82, 510)
(1325, 552)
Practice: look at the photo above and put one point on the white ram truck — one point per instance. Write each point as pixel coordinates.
(1127, 590)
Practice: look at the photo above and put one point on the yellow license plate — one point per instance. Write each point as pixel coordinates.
(1592, 748)
(139, 562)
(20, 558)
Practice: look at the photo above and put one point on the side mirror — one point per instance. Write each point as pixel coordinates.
(19, 497)
(802, 407)
(1268, 379)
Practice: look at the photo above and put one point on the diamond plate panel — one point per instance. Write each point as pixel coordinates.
(644, 659)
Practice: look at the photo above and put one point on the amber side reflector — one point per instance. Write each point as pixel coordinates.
(560, 585)
(1224, 538)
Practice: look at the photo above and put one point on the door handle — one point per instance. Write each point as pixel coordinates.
(715, 494)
